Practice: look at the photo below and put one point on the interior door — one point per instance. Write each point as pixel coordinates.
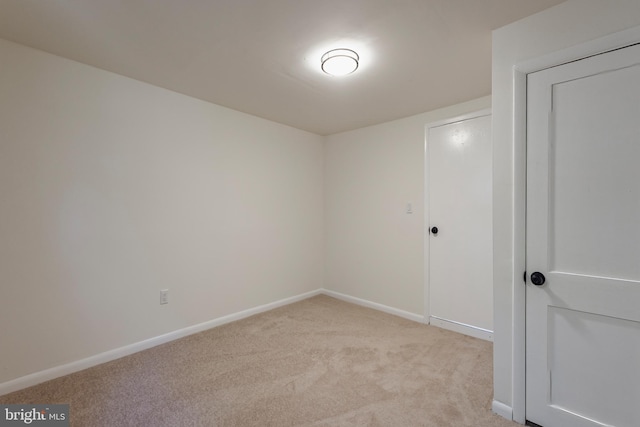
(459, 206)
(583, 242)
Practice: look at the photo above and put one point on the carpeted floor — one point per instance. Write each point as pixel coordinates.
(318, 362)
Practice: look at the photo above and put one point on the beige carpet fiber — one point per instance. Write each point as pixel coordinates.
(318, 362)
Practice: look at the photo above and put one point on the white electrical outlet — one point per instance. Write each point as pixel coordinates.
(164, 296)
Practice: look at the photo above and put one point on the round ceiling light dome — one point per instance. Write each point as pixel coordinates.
(340, 62)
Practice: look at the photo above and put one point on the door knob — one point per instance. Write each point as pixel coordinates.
(434, 230)
(537, 278)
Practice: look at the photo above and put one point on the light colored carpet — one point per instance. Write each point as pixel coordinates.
(318, 362)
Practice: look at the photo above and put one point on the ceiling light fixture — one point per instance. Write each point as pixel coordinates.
(340, 62)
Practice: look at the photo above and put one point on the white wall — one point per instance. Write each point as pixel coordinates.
(374, 250)
(566, 25)
(112, 189)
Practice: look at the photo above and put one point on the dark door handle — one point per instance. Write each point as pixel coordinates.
(434, 230)
(537, 278)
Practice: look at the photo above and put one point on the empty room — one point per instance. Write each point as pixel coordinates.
(320, 213)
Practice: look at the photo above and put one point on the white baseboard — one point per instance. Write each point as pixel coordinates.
(374, 305)
(501, 409)
(461, 328)
(79, 365)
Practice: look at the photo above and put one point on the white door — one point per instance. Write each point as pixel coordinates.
(459, 192)
(583, 236)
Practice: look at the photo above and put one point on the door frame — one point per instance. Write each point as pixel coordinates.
(479, 333)
(598, 46)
